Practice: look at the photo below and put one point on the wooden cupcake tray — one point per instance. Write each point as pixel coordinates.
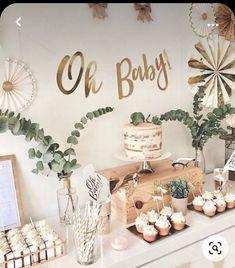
(133, 230)
(190, 207)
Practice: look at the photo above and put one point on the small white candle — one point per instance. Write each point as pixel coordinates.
(119, 242)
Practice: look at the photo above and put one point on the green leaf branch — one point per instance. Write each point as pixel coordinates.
(47, 152)
(202, 127)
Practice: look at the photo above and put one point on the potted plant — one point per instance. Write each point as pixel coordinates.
(179, 190)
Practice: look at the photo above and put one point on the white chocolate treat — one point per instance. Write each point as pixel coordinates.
(149, 230)
(13, 232)
(40, 224)
(143, 141)
(152, 216)
(2, 234)
(198, 201)
(178, 217)
(207, 195)
(4, 248)
(27, 227)
(166, 211)
(162, 222)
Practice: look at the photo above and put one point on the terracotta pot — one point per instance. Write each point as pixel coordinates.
(179, 204)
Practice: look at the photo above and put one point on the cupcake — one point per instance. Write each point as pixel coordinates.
(150, 233)
(140, 222)
(209, 208)
(218, 194)
(163, 225)
(230, 200)
(152, 216)
(198, 203)
(166, 211)
(207, 195)
(220, 204)
(178, 221)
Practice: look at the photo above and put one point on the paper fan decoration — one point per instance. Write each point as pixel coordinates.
(226, 22)
(202, 18)
(18, 88)
(216, 62)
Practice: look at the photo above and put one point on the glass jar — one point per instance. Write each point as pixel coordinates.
(87, 247)
(67, 201)
(200, 159)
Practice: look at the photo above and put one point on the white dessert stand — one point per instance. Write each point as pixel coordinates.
(145, 166)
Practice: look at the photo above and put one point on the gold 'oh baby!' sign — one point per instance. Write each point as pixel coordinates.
(126, 74)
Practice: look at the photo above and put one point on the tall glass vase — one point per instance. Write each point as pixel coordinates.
(67, 201)
(200, 159)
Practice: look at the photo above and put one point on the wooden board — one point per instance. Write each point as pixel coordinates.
(10, 187)
(124, 202)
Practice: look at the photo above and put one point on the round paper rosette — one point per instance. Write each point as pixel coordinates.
(18, 89)
(213, 66)
(202, 18)
(226, 22)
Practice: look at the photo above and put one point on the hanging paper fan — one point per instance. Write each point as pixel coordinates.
(202, 19)
(226, 22)
(18, 88)
(216, 64)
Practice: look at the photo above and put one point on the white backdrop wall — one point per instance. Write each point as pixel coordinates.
(48, 33)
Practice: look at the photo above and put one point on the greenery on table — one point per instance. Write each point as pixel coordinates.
(201, 127)
(48, 154)
(178, 188)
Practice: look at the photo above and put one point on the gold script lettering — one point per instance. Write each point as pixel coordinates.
(89, 79)
(61, 68)
(120, 79)
(162, 67)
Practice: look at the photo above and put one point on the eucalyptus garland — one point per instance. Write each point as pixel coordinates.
(47, 152)
(201, 127)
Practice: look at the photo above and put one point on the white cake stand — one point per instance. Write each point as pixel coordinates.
(145, 166)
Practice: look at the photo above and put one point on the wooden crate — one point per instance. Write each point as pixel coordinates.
(124, 201)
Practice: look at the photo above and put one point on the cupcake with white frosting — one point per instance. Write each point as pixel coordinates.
(140, 222)
(178, 220)
(150, 233)
(207, 195)
(152, 216)
(230, 200)
(163, 225)
(198, 203)
(209, 208)
(166, 211)
(220, 204)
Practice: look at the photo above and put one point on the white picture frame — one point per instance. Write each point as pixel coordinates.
(11, 210)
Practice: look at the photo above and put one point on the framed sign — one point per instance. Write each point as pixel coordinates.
(11, 212)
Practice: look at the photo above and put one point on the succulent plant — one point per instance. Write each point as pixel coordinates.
(178, 188)
(48, 153)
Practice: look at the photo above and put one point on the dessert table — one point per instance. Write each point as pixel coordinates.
(182, 249)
